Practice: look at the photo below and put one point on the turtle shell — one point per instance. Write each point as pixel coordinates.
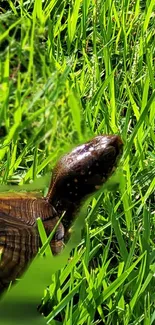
(19, 237)
(76, 175)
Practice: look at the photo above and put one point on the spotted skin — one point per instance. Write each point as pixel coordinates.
(76, 175)
(81, 172)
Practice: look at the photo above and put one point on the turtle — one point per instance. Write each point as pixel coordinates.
(76, 175)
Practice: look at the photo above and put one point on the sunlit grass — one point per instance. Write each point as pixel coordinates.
(70, 70)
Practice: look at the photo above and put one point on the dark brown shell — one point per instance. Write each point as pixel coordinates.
(19, 238)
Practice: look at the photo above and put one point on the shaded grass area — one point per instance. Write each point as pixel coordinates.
(70, 70)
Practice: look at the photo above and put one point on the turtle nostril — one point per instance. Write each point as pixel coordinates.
(116, 140)
(117, 143)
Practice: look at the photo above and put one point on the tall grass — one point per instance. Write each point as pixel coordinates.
(69, 70)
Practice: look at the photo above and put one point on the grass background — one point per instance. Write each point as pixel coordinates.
(70, 70)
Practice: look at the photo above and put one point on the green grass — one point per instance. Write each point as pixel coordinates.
(70, 70)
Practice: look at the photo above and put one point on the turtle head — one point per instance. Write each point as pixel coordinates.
(83, 171)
